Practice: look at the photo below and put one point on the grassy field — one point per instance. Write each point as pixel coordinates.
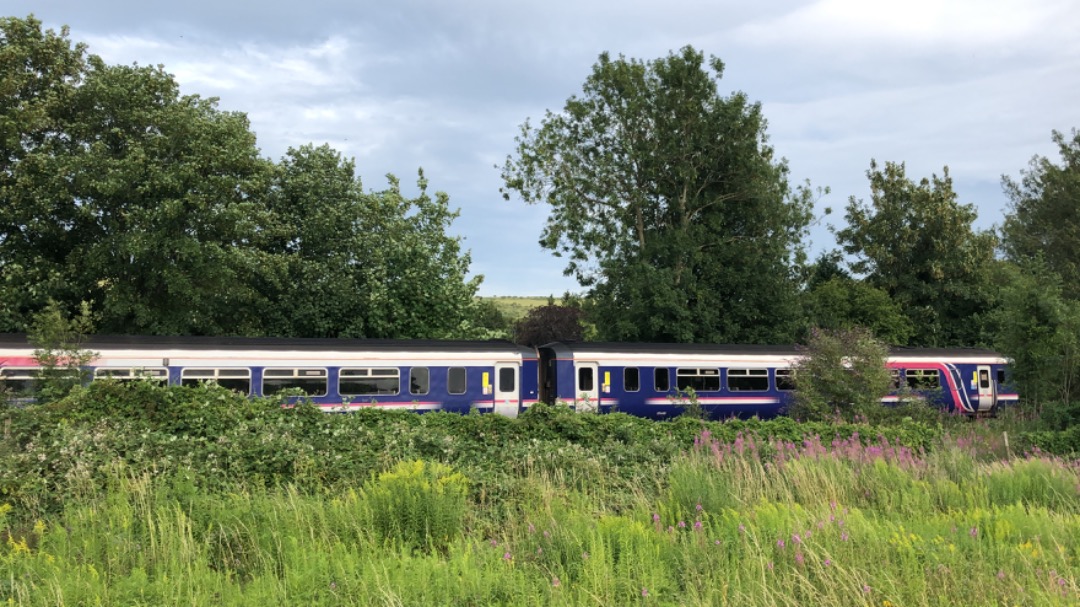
(515, 308)
(549, 519)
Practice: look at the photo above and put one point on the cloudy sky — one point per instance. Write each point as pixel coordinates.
(977, 85)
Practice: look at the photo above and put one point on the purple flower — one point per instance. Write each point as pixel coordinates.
(866, 589)
(506, 556)
(656, 517)
(974, 532)
(682, 524)
(780, 543)
(555, 582)
(844, 536)
(796, 539)
(697, 525)
(770, 565)
(698, 508)
(799, 558)
(742, 528)
(644, 592)
(827, 562)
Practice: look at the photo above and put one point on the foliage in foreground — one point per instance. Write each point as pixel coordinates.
(734, 522)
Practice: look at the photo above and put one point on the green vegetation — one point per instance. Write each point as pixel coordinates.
(516, 308)
(140, 494)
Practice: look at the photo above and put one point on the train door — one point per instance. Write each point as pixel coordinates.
(987, 388)
(507, 393)
(588, 390)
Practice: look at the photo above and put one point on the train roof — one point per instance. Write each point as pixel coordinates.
(291, 344)
(565, 348)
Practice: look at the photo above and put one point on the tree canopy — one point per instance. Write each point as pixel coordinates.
(158, 210)
(915, 242)
(668, 203)
(1044, 215)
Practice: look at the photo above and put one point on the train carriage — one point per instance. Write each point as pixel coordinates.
(335, 374)
(654, 380)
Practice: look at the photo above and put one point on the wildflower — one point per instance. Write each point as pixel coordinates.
(494, 542)
(742, 528)
(827, 562)
(799, 558)
(770, 566)
(698, 508)
(644, 592)
(507, 556)
(717, 542)
(780, 543)
(796, 539)
(1001, 574)
(697, 525)
(682, 524)
(865, 589)
(532, 529)
(555, 582)
(656, 517)
(974, 532)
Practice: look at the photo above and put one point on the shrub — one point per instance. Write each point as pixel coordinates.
(417, 506)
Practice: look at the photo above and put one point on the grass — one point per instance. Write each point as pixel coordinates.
(515, 308)
(726, 522)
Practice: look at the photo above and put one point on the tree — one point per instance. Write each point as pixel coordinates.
(846, 303)
(842, 373)
(125, 194)
(1039, 331)
(549, 323)
(374, 264)
(1044, 218)
(668, 203)
(58, 348)
(916, 243)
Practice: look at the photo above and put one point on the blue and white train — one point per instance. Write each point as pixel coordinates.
(648, 380)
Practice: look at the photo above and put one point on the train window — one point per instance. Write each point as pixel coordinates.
(312, 382)
(585, 380)
(369, 382)
(455, 380)
(923, 379)
(130, 373)
(631, 379)
(894, 378)
(661, 380)
(506, 379)
(18, 382)
(238, 380)
(1000, 376)
(785, 380)
(418, 380)
(748, 380)
(700, 380)
(984, 378)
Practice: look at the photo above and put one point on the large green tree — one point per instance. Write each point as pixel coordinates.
(124, 193)
(668, 203)
(158, 209)
(915, 242)
(1044, 218)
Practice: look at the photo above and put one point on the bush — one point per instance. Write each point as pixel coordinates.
(417, 506)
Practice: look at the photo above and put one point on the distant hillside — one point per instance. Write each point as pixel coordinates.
(515, 308)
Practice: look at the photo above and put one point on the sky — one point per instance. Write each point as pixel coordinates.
(975, 85)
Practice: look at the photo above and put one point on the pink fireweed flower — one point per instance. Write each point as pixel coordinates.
(656, 517)
(770, 565)
(827, 562)
(844, 536)
(644, 592)
(697, 525)
(742, 528)
(780, 543)
(796, 539)
(866, 589)
(974, 532)
(799, 558)
(555, 582)
(1000, 574)
(507, 556)
(698, 508)
(682, 524)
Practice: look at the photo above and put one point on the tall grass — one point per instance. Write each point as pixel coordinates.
(745, 522)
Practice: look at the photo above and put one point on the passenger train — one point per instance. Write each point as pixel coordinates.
(648, 380)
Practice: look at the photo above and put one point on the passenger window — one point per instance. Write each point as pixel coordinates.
(585, 379)
(631, 379)
(785, 380)
(506, 380)
(700, 380)
(661, 380)
(368, 382)
(312, 382)
(455, 380)
(418, 381)
(748, 380)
